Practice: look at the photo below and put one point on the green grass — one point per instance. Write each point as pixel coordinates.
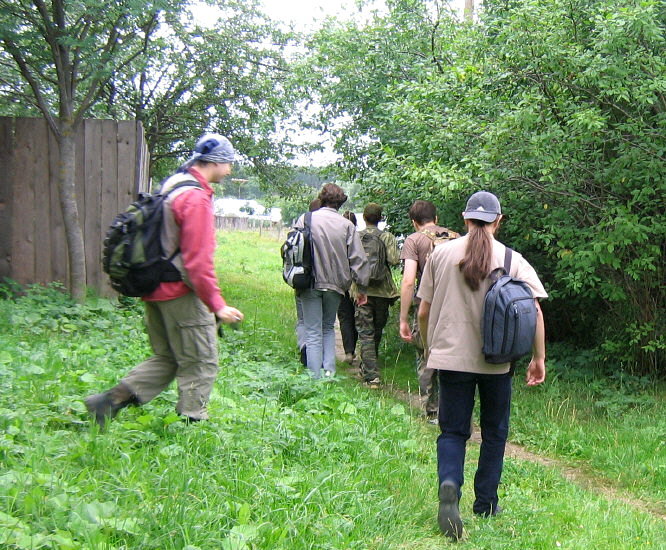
(284, 463)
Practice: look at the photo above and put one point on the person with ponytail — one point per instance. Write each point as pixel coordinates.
(452, 291)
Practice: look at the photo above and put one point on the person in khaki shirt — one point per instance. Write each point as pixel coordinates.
(415, 252)
(452, 291)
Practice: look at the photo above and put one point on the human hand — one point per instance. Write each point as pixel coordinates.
(405, 331)
(361, 299)
(536, 372)
(229, 315)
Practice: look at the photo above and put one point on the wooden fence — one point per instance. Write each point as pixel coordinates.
(111, 167)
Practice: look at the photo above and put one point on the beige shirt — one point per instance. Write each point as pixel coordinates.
(454, 325)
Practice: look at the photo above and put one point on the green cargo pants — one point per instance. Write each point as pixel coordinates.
(184, 340)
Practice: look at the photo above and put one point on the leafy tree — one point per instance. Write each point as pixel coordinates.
(229, 76)
(357, 70)
(558, 107)
(65, 53)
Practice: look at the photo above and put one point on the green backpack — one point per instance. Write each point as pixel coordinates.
(375, 250)
(132, 253)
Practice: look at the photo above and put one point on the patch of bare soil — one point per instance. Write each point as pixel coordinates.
(574, 474)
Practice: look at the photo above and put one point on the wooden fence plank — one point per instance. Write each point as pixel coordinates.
(108, 196)
(126, 167)
(23, 196)
(42, 218)
(6, 202)
(93, 179)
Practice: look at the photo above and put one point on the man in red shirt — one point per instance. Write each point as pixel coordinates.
(181, 316)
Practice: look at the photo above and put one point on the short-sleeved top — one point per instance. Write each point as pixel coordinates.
(454, 325)
(417, 247)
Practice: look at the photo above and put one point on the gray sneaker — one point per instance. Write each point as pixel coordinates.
(448, 516)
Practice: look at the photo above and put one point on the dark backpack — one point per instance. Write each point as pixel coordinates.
(132, 253)
(298, 256)
(509, 317)
(375, 250)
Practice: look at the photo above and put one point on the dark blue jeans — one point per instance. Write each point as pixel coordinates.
(456, 403)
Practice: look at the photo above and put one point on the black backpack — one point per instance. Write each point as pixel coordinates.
(132, 253)
(509, 317)
(375, 250)
(298, 256)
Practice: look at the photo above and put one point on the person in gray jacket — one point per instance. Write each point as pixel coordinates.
(339, 259)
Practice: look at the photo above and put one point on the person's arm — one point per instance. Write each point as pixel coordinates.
(193, 212)
(423, 316)
(392, 250)
(406, 298)
(536, 371)
(358, 262)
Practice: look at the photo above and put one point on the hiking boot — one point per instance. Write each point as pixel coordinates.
(349, 358)
(374, 383)
(496, 511)
(448, 516)
(107, 404)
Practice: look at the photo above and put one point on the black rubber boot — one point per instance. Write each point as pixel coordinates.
(107, 404)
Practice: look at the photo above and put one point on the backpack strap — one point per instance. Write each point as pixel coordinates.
(505, 269)
(507, 260)
(169, 276)
(307, 225)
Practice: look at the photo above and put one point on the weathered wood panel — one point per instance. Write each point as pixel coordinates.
(110, 156)
(42, 205)
(23, 197)
(92, 198)
(111, 189)
(6, 190)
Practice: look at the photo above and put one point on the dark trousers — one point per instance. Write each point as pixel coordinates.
(348, 332)
(456, 403)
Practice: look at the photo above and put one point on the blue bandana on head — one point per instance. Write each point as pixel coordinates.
(213, 148)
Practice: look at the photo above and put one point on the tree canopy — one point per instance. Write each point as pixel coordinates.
(556, 106)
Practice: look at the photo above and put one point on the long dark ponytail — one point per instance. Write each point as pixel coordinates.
(475, 266)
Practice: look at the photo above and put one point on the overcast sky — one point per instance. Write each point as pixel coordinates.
(305, 13)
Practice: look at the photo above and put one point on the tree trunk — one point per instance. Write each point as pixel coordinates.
(70, 213)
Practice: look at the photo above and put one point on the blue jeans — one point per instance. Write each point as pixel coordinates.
(456, 402)
(319, 310)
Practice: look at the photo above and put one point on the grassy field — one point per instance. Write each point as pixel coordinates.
(286, 462)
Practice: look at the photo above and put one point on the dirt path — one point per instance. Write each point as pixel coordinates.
(574, 474)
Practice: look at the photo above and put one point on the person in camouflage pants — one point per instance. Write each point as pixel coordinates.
(371, 318)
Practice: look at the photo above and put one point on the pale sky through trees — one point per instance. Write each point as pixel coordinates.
(304, 13)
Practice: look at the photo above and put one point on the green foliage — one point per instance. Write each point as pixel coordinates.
(556, 106)
(225, 75)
